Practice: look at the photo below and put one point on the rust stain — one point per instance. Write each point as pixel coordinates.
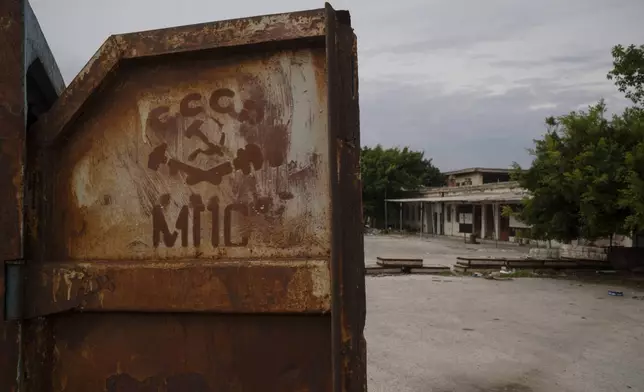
(171, 138)
(261, 118)
(12, 145)
(187, 227)
(258, 286)
(163, 352)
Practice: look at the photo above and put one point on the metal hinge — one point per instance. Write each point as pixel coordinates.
(14, 289)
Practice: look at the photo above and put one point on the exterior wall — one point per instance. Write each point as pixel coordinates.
(486, 227)
(442, 217)
(412, 217)
(492, 188)
(475, 179)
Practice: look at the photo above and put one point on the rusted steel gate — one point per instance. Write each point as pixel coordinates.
(193, 214)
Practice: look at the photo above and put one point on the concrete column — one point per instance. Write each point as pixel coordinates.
(483, 222)
(473, 218)
(422, 218)
(425, 217)
(454, 224)
(497, 223)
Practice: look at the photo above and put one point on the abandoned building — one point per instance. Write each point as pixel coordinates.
(470, 203)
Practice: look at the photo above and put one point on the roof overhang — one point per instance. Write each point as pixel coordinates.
(478, 170)
(478, 198)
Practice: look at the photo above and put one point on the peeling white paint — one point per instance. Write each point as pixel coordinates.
(55, 285)
(321, 280)
(69, 276)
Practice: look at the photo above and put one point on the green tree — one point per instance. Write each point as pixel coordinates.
(628, 71)
(628, 74)
(389, 173)
(632, 197)
(587, 176)
(578, 176)
(552, 210)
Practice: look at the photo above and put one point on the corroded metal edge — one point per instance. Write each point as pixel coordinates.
(293, 286)
(12, 144)
(347, 250)
(221, 34)
(37, 48)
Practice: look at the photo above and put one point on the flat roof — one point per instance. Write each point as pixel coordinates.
(478, 170)
(492, 197)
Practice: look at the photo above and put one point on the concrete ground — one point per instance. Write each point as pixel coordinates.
(433, 250)
(466, 334)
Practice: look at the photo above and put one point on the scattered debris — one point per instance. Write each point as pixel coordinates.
(505, 271)
(616, 293)
(372, 231)
(468, 329)
(495, 276)
(477, 275)
(640, 297)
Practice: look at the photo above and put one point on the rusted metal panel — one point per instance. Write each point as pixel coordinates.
(201, 160)
(12, 141)
(191, 353)
(12, 128)
(187, 286)
(193, 185)
(347, 255)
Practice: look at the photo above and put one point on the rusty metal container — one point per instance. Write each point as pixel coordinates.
(193, 214)
(29, 84)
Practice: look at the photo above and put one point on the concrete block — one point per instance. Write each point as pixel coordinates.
(434, 270)
(399, 262)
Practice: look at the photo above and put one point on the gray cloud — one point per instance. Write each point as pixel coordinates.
(467, 129)
(467, 81)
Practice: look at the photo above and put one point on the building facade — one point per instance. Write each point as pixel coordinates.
(471, 203)
(476, 176)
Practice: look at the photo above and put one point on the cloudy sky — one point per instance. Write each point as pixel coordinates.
(467, 81)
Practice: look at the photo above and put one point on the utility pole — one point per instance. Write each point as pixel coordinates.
(386, 217)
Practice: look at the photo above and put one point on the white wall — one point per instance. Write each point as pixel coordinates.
(476, 178)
